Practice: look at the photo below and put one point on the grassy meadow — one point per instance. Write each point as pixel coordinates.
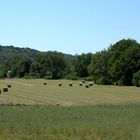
(100, 122)
(31, 92)
(50, 112)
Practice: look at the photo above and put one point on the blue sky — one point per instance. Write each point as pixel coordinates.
(69, 26)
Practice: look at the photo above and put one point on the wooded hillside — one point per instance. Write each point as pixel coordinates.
(119, 64)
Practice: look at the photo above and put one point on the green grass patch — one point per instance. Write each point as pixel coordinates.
(52, 112)
(102, 122)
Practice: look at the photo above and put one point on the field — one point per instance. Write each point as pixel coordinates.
(50, 112)
(31, 92)
(111, 122)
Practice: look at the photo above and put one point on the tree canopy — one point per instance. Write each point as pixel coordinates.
(117, 64)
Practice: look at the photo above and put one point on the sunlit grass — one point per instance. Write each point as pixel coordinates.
(102, 122)
(34, 92)
(50, 112)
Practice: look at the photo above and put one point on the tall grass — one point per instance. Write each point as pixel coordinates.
(102, 122)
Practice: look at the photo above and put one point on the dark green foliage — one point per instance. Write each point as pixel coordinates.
(9, 52)
(1, 70)
(125, 61)
(118, 63)
(136, 79)
(103, 81)
(51, 64)
(19, 66)
(71, 76)
(81, 65)
(89, 78)
(99, 67)
(29, 63)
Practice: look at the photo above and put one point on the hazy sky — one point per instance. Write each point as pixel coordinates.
(69, 26)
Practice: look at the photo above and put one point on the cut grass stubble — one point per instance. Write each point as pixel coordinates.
(33, 91)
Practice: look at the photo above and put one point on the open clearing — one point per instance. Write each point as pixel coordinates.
(68, 113)
(31, 92)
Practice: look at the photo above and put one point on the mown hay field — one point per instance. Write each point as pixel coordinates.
(34, 92)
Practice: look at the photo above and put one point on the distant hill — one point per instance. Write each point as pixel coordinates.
(8, 52)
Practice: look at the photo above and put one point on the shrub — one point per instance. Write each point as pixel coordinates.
(103, 81)
(47, 77)
(71, 77)
(32, 76)
(136, 79)
(90, 78)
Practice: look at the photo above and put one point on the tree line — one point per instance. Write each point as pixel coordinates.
(118, 64)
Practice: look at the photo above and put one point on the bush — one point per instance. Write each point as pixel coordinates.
(136, 79)
(47, 77)
(32, 76)
(71, 77)
(90, 78)
(103, 81)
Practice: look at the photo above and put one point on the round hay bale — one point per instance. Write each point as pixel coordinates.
(86, 86)
(44, 83)
(9, 86)
(91, 84)
(83, 81)
(70, 84)
(5, 89)
(59, 84)
(80, 84)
